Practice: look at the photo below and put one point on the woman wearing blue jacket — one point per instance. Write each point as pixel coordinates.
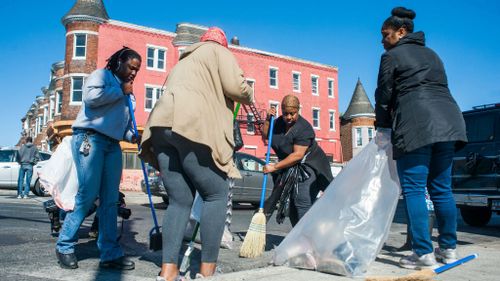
(102, 122)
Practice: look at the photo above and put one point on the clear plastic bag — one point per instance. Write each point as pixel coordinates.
(345, 229)
(58, 176)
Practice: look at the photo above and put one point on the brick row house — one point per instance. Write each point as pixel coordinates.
(91, 37)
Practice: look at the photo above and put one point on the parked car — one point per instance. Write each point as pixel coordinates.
(9, 170)
(476, 167)
(246, 190)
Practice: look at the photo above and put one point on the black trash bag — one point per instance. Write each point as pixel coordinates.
(238, 139)
(289, 183)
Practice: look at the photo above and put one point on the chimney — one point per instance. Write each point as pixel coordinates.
(235, 41)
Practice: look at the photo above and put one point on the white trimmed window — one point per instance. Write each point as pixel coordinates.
(296, 81)
(251, 83)
(79, 46)
(153, 94)
(315, 118)
(156, 58)
(359, 137)
(331, 118)
(250, 123)
(58, 107)
(76, 89)
(315, 85)
(52, 105)
(276, 105)
(331, 88)
(370, 134)
(45, 115)
(273, 77)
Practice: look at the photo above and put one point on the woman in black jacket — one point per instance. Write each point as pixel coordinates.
(413, 99)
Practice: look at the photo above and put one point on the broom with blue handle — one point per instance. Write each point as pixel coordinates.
(425, 274)
(255, 240)
(155, 237)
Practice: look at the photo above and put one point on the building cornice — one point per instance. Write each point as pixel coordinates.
(141, 28)
(72, 18)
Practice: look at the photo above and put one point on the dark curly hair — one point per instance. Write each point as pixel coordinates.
(122, 56)
(400, 17)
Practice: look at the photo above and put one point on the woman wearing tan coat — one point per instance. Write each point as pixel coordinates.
(189, 138)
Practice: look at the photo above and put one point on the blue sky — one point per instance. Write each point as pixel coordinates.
(345, 34)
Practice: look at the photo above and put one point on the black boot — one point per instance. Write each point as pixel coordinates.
(67, 261)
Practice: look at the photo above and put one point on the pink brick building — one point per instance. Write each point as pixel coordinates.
(91, 37)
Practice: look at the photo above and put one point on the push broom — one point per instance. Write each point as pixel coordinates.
(255, 240)
(424, 274)
(155, 237)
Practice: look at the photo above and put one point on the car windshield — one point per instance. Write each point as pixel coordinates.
(7, 155)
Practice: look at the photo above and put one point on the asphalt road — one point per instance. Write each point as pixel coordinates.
(27, 247)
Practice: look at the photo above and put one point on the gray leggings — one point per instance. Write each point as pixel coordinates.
(187, 167)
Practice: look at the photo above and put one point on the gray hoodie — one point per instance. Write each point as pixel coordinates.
(28, 154)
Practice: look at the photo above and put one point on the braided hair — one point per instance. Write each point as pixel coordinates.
(121, 56)
(400, 18)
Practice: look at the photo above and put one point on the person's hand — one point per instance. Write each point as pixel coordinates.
(137, 139)
(127, 87)
(271, 112)
(270, 168)
(383, 136)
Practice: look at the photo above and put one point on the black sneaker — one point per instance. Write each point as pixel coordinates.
(121, 263)
(67, 261)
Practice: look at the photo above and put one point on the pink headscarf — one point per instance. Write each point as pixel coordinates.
(215, 34)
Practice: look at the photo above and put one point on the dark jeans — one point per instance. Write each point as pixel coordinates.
(429, 166)
(187, 167)
(25, 170)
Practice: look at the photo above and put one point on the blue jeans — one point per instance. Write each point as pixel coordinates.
(99, 175)
(24, 170)
(429, 166)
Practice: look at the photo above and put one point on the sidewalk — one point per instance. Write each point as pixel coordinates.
(486, 267)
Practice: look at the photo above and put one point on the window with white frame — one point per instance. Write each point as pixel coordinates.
(359, 137)
(331, 117)
(52, 106)
(251, 83)
(45, 115)
(79, 46)
(296, 81)
(250, 123)
(76, 89)
(156, 57)
(331, 88)
(181, 50)
(58, 102)
(39, 124)
(370, 134)
(315, 118)
(273, 77)
(276, 105)
(315, 85)
(153, 94)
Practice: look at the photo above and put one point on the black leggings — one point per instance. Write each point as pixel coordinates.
(187, 167)
(307, 192)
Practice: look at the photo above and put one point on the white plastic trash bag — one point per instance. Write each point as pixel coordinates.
(345, 229)
(58, 176)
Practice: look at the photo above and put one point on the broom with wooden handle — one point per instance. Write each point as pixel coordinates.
(424, 274)
(255, 240)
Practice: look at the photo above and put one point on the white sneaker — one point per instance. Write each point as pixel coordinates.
(415, 262)
(19, 197)
(446, 255)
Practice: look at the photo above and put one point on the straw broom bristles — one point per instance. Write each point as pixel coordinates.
(421, 275)
(255, 241)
